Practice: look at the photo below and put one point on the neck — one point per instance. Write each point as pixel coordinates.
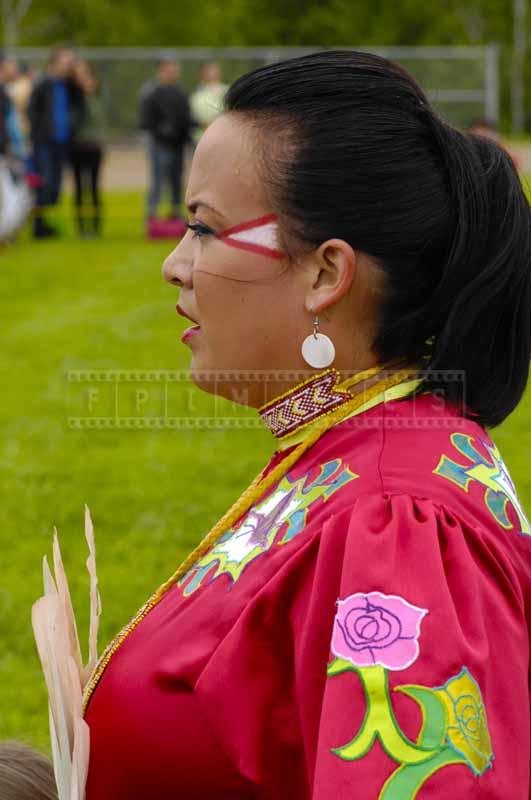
(274, 383)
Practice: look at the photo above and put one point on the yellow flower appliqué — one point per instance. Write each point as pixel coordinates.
(467, 729)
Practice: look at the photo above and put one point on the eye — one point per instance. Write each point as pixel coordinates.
(200, 229)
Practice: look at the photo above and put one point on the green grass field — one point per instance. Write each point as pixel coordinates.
(87, 305)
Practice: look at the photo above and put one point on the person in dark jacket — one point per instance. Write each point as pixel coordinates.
(165, 116)
(4, 115)
(86, 153)
(55, 111)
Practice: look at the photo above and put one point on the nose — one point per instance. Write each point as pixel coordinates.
(177, 268)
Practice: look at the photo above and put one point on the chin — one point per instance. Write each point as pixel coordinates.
(204, 380)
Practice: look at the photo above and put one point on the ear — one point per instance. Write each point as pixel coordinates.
(333, 270)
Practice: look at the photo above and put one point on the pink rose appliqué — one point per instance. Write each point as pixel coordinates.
(377, 629)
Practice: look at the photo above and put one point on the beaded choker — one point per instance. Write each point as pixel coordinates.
(313, 398)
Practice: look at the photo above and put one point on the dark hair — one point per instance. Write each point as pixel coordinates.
(25, 774)
(442, 212)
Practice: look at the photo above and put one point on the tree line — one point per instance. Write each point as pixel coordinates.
(268, 23)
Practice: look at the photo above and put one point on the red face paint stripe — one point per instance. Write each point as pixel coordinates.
(245, 226)
(254, 248)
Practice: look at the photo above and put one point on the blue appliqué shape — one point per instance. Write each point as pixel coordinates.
(276, 520)
(489, 471)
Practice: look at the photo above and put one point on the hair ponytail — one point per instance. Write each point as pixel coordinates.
(481, 305)
(443, 213)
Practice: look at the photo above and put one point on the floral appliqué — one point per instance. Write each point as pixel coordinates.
(375, 628)
(276, 520)
(374, 633)
(487, 469)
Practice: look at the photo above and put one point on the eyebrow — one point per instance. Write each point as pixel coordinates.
(192, 208)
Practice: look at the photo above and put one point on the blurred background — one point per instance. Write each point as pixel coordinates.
(96, 406)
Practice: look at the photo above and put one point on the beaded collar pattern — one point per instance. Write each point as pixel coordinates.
(304, 403)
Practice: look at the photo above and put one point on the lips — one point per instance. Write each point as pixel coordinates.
(184, 314)
(190, 332)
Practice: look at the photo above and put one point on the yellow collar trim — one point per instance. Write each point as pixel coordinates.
(395, 393)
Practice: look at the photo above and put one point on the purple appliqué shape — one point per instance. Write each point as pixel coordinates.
(377, 629)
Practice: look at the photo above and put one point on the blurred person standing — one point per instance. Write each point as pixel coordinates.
(15, 195)
(55, 111)
(165, 116)
(86, 152)
(19, 90)
(207, 100)
(11, 137)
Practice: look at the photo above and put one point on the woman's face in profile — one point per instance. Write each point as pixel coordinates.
(246, 308)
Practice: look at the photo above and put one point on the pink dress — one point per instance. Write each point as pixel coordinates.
(363, 632)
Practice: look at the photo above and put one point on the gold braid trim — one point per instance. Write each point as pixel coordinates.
(250, 496)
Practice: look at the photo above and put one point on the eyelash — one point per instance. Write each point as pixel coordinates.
(199, 229)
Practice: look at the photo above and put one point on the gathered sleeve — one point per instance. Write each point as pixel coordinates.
(411, 658)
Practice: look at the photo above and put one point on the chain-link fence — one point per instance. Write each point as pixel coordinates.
(461, 81)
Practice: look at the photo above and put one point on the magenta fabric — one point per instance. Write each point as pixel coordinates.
(407, 517)
(166, 228)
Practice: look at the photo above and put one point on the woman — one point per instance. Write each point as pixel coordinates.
(355, 626)
(86, 153)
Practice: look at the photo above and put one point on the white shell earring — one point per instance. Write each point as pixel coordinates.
(317, 349)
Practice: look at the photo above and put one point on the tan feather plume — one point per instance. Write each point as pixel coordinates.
(56, 636)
